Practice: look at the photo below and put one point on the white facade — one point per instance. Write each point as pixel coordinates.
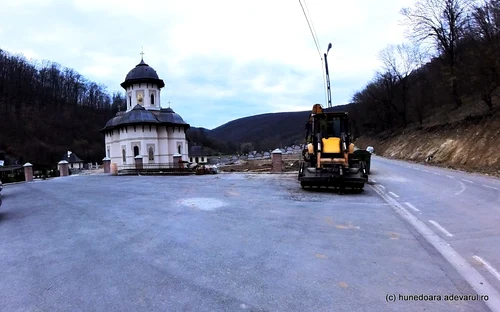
(156, 144)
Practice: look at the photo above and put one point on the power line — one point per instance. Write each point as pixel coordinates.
(319, 44)
(316, 42)
(312, 24)
(310, 28)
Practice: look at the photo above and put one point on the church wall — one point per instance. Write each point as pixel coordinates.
(128, 138)
(140, 136)
(164, 143)
(164, 153)
(112, 142)
(177, 137)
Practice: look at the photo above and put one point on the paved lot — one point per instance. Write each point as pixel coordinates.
(227, 242)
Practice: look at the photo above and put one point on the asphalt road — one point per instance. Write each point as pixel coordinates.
(462, 208)
(245, 242)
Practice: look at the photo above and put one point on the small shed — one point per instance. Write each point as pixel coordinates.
(198, 154)
(74, 161)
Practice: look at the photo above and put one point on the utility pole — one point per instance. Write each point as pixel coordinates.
(328, 77)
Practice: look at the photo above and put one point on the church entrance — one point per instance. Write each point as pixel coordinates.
(136, 151)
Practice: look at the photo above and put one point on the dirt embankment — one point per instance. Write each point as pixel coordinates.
(472, 144)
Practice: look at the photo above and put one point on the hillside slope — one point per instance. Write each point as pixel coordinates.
(266, 131)
(470, 144)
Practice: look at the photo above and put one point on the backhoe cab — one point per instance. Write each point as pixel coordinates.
(328, 157)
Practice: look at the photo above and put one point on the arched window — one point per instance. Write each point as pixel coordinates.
(179, 149)
(151, 154)
(152, 99)
(124, 156)
(136, 151)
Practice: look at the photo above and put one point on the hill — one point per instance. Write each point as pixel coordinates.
(46, 110)
(265, 131)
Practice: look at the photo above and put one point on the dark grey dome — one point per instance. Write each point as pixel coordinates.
(142, 70)
(142, 73)
(140, 116)
(167, 115)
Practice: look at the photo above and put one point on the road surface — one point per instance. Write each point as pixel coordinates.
(251, 242)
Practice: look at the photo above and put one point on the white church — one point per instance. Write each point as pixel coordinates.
(145, 129)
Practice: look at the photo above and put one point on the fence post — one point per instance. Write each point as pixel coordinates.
(138, 162)
(177, 160)
(106, 162)
(114, 169)
(63, 168)
(28, 172)
(277, 160)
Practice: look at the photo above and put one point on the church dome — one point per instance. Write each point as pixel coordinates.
(142, 72)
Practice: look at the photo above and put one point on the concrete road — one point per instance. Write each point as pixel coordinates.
(234, 242)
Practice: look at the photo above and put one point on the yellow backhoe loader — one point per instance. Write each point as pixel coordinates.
(328, 156)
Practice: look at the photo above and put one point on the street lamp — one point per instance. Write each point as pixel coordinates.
(328, 76)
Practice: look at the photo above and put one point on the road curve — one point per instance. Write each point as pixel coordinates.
(462, 209)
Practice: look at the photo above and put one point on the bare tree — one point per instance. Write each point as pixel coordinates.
(401, 61)
(45, 102)
(444, 23)
(485, 32)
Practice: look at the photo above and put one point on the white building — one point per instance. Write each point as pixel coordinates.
(74, 161)
(198, 155)
(145, 128)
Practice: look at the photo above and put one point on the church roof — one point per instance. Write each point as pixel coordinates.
(141, 116)
(142, 72)
(167, 115)
(138, 115)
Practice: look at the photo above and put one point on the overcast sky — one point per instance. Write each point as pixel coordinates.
(220, 59)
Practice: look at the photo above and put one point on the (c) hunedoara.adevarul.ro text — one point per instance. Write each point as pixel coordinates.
(424, 297)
